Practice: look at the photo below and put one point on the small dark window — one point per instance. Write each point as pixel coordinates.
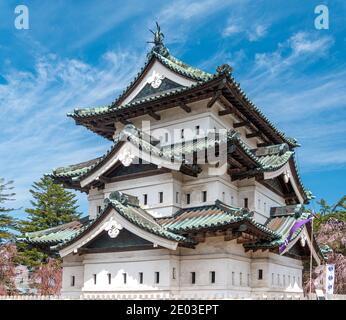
(193, 277)
(188, 198)
(212, 276)
(166, 136)
(109, 278)
(94, 278)
(174, 273)
(246, 203)
(160, 197)
(157, 277)
(125, 277)
(99, 209)
(204, 196)
(197, 130)
(72, 281)
(177, 197)
(260, 274)
(182, 133)
(141, 277)
(145, 199)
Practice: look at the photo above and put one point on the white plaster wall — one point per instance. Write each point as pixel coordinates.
(260, 199)
(176, 119)
(217, 187)
(95, 199)
(151, 186)
(227, 258)
(131, 263)
(72, 266)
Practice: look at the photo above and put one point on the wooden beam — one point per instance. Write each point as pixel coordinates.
(185, 107)
(199, 237)
(106, 129)
(263, 144)
(154, 115)
(236, 170)
(214, 98)
(235, 163)
(228, 104)
(253, 134)
(231, 235)
(123, 121)
(240, 124)
(225, 112)
(104, 179)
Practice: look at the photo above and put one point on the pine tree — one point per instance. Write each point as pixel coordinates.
(7, 222)
(51, 206)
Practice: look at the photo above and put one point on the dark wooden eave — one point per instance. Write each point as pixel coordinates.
(221, 89)
(151, 108)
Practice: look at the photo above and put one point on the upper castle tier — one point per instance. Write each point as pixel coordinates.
(182, 138)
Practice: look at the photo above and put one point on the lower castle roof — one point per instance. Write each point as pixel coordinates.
(180, 227)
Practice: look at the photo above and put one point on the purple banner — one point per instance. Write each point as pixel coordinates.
(294, 228)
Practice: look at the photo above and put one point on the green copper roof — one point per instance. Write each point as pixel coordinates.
(58, 234)
(75, 170)
(212, 216)
(95, 111)
(162, 54)
(180, 67)
(281, 224)
(185, 221)
(166, 59)
(266, 161)
(65, 234)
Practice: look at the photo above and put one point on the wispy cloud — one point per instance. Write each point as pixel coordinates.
(259, 32)
(238, 28)
(307, 107)
(36, 134)
(180, 18)
(297, 48)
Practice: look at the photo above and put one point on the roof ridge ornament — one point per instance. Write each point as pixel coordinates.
(159, 46)
(224, 69)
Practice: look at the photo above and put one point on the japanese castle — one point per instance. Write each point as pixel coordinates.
(194, 199)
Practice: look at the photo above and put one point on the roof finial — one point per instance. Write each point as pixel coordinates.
(158, 36)
(158, 47)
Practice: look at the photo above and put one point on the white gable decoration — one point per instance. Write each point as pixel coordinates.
(113, 228)
(155, 79)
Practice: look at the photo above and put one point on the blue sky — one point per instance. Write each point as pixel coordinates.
(83, 53)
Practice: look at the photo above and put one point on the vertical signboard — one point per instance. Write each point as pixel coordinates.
(330, 276)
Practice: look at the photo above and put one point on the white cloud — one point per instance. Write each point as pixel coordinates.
(253, 31)
(298, 47)
(231, 29)
(308, 106)
(181, 17)
(36, 134)
(302, 43)
(259, 32)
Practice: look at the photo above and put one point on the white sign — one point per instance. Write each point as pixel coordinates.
(330, 277)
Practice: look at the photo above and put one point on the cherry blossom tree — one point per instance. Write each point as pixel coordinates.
(47, 279)
(332, 232)
(8, 253)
